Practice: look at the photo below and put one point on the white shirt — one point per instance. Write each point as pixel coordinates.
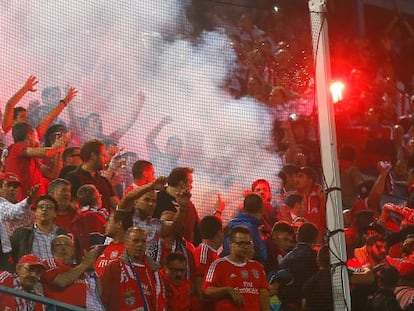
(10, 212)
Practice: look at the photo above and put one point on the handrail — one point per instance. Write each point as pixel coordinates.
(51, 303)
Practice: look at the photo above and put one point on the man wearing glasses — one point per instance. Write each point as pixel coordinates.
(37, 238)
(234, 282)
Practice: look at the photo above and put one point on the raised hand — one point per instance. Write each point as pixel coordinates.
(70, 95)
(30, 84)
(159, 183)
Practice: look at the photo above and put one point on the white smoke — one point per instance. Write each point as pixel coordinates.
(112, 50)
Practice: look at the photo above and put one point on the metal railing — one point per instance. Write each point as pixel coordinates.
(51, 304)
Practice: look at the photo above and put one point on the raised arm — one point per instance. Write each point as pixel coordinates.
(130, 197)
(52, 115)
(152, 135)
(120, 132)
(29, 86)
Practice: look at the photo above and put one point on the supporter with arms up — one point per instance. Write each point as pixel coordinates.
(24, 158)
(13, 115)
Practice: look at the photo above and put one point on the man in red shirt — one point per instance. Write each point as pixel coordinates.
(314, 199)
(211, 230)
(60, 190)
(24, 158)
(235, 282)
(118, 223)
(178, 290)
(62, 281)
(28, 271)
(132, 281)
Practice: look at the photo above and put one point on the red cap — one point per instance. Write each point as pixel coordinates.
(406, 269)
(31, 260)
(10, 178)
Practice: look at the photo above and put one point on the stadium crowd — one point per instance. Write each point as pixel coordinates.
(86, 223)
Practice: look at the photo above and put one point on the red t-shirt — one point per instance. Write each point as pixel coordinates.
(74, 294)
(248, 278)
(27, 169)
(12, 303)
(111, 252)
(178, 297)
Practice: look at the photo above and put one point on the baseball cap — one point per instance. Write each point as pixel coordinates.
(31, 260)
(9, 178)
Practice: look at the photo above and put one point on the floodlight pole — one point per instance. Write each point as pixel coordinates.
(340, 280)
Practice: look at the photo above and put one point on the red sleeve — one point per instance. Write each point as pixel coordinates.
(212, 276)
(52, 271)
(110, 281)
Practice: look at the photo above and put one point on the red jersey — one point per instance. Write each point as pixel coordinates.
(12, 303)
(27, 169)
(204, 255)
(64, 221)
(248, 278)
(120, 289)
(112, 252)
(74, 294)
(178, 297)
(315, 210)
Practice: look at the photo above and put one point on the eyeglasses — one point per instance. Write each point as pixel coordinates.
(243, 243)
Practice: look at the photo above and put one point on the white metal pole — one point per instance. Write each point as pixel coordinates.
(319, 27)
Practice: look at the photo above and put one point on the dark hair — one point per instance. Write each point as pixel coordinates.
(292, 199)
(139, 167)
(209, 226)
(252, 203)
(20, 131)
(323, 257)
(52, 130)
(16, 111)
(238, 229)
(309, 172)
(179, 256)
(58, 182)
(68, 152)
(288, 169)
(86, 195)
(260, 181)
(91, 146)
(178, 175)
(307, 233)
(47, 197)
(283, 226)
(125, 217)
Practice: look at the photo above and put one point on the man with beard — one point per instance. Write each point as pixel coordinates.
(93, 155)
